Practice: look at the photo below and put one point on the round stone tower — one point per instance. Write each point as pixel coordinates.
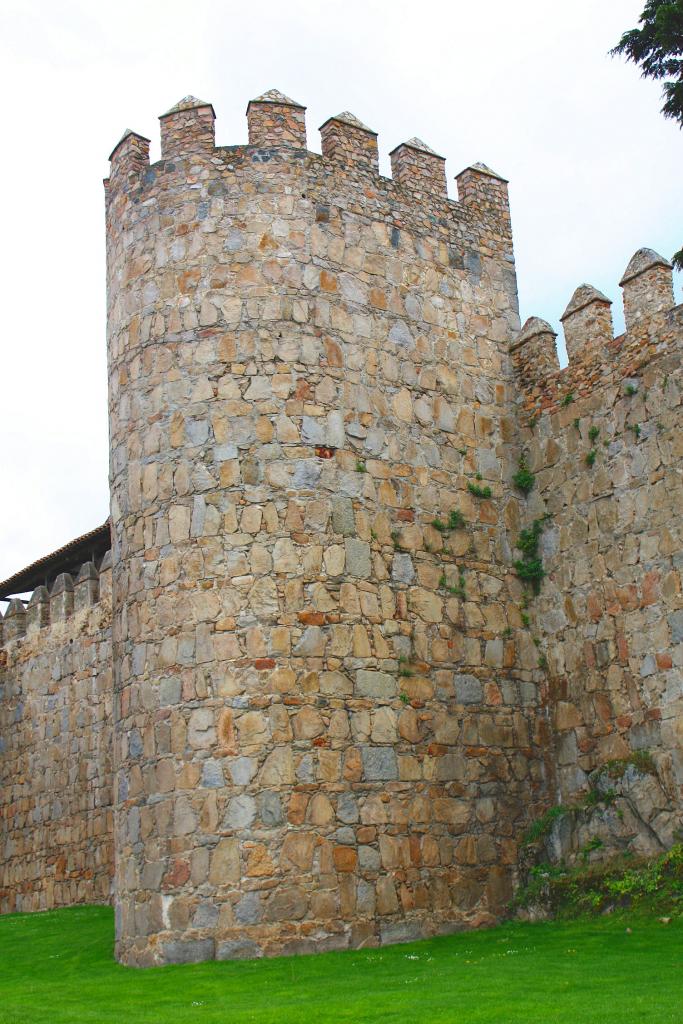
(324, 726)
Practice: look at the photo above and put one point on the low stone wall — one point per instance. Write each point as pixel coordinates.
(55, 747)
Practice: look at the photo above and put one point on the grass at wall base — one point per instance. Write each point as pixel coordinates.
(57, 968)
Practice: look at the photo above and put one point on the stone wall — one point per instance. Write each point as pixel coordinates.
(327, 717)
(605, 438)
(335, 709)
(56, 846)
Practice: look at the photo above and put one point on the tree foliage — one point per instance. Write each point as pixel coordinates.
(657, 48)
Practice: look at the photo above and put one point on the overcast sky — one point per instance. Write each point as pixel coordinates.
(526, 86)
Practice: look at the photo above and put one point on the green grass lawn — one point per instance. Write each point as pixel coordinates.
(58, 967)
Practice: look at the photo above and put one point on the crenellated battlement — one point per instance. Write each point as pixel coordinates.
(653, 326)
(274, 120)
(587, 323)
(415, 165)
(68, 596)
(346, 140)
(277, 135)
(187, 128)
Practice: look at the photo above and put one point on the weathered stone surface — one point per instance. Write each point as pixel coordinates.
(375, 684)
(241, 812)
(278, 768)
(425, 604)
(287, 905)
(402, 570)
(238, 949)
(188, 951)
(357, 558)
(336, 710)
(379, 763)
(468, 689)
(343, 519)
(225, 863)
(248, 910)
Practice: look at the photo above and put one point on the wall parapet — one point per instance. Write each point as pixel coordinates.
(648, 288)
(415, 165)
(66, 598)
(587, 322)
(347, 141)
(274, 119)
(277, 134)
(56, 709)
(188, 127)
(653, 327)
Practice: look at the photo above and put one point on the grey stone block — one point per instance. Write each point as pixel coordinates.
(358, 561)
(242, 770)
(307, 474)
(468, 689)
(169, 691)
(365, 898)
(347, 808)
(249, 910)
(399, 931)
(343, 519)
(135, 743)
(241, 812)
(270, 808)
(212, 774)
(676, 626)
(379, 763)
(312, 430)
(238, 949)
(375, 684)
(402, 570)
(187, 951)
(400, 335)
(369, 858)
(205, 916)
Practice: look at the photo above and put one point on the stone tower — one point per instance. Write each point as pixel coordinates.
(324, 730)
(381, 582)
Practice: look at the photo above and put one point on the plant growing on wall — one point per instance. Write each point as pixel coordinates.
(458, 589)
(477, 491)
(456, 521)
(523, 479)
(529, 567)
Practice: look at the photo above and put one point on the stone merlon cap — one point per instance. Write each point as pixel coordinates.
(187, 103)
(533, 327)
(583, 296)
(275, 96)
(420, 146)
(128, 132)
(483, 169)
(346, 117)
(641, 261)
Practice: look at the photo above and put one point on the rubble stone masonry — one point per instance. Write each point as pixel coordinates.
(335, 707)
(605, 438)
(56, 844)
